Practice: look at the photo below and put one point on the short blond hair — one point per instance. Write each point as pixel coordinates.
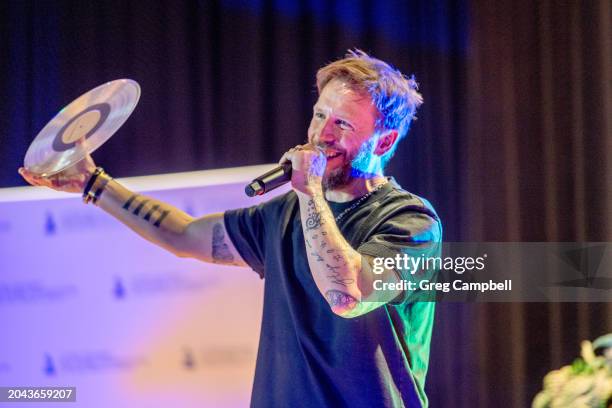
(394, 95)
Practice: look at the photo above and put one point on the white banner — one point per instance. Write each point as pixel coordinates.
(86, 303)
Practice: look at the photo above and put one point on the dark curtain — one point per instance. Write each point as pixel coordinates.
(514, 141)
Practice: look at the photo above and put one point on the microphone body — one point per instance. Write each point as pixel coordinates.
(269, 181)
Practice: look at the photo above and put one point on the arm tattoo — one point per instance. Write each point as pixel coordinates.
(313, 219)
(336, 277)
(220, 250)
(320, 250)
(129, 201)
(139, 203)
(319, 257)
(147, 217)
(142, 204)
(338, 258)
(338, 298)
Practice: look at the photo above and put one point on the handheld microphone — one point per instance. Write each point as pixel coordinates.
(269, 181)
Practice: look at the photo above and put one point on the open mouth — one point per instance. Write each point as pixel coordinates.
(331, 154)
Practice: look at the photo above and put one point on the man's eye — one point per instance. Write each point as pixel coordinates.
(344, 125)
(319, 115)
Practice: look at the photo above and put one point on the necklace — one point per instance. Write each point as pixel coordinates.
(356, 204)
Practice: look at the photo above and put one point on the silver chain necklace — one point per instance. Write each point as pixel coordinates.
(361, 200)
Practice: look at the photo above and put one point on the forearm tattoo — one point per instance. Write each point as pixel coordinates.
(328, 256)
(313, 219)
(220, 250)
(318, 257)
(154, 215)
(335, 276)
(337, 298)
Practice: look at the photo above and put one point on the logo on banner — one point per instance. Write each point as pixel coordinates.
(118, 289)
(85, 220)
(32, 291)
(228, 355)
(90, 361)
(50, 225)
(160, 283)
(48, 366)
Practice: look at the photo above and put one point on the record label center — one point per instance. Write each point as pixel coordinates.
(81, 126)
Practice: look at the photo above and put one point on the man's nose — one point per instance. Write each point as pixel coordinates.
(327, 135)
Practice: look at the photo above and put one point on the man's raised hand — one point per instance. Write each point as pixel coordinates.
(71, 180)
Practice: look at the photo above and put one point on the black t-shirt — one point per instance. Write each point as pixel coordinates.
(310, 357)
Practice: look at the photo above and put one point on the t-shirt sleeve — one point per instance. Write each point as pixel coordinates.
(412, 233)
(246, 229)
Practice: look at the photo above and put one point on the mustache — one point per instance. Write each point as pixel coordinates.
(325, 146)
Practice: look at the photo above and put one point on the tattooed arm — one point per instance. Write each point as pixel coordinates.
(204, 238)
(342, 275)
(158, 222)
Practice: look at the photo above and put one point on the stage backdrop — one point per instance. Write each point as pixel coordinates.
(85, 302)
(512, 144)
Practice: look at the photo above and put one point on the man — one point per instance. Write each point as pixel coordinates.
(328, 337)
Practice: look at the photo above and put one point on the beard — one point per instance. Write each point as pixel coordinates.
(338, 177)
(353, 167)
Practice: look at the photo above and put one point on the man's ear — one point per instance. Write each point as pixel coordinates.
(386, 142)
